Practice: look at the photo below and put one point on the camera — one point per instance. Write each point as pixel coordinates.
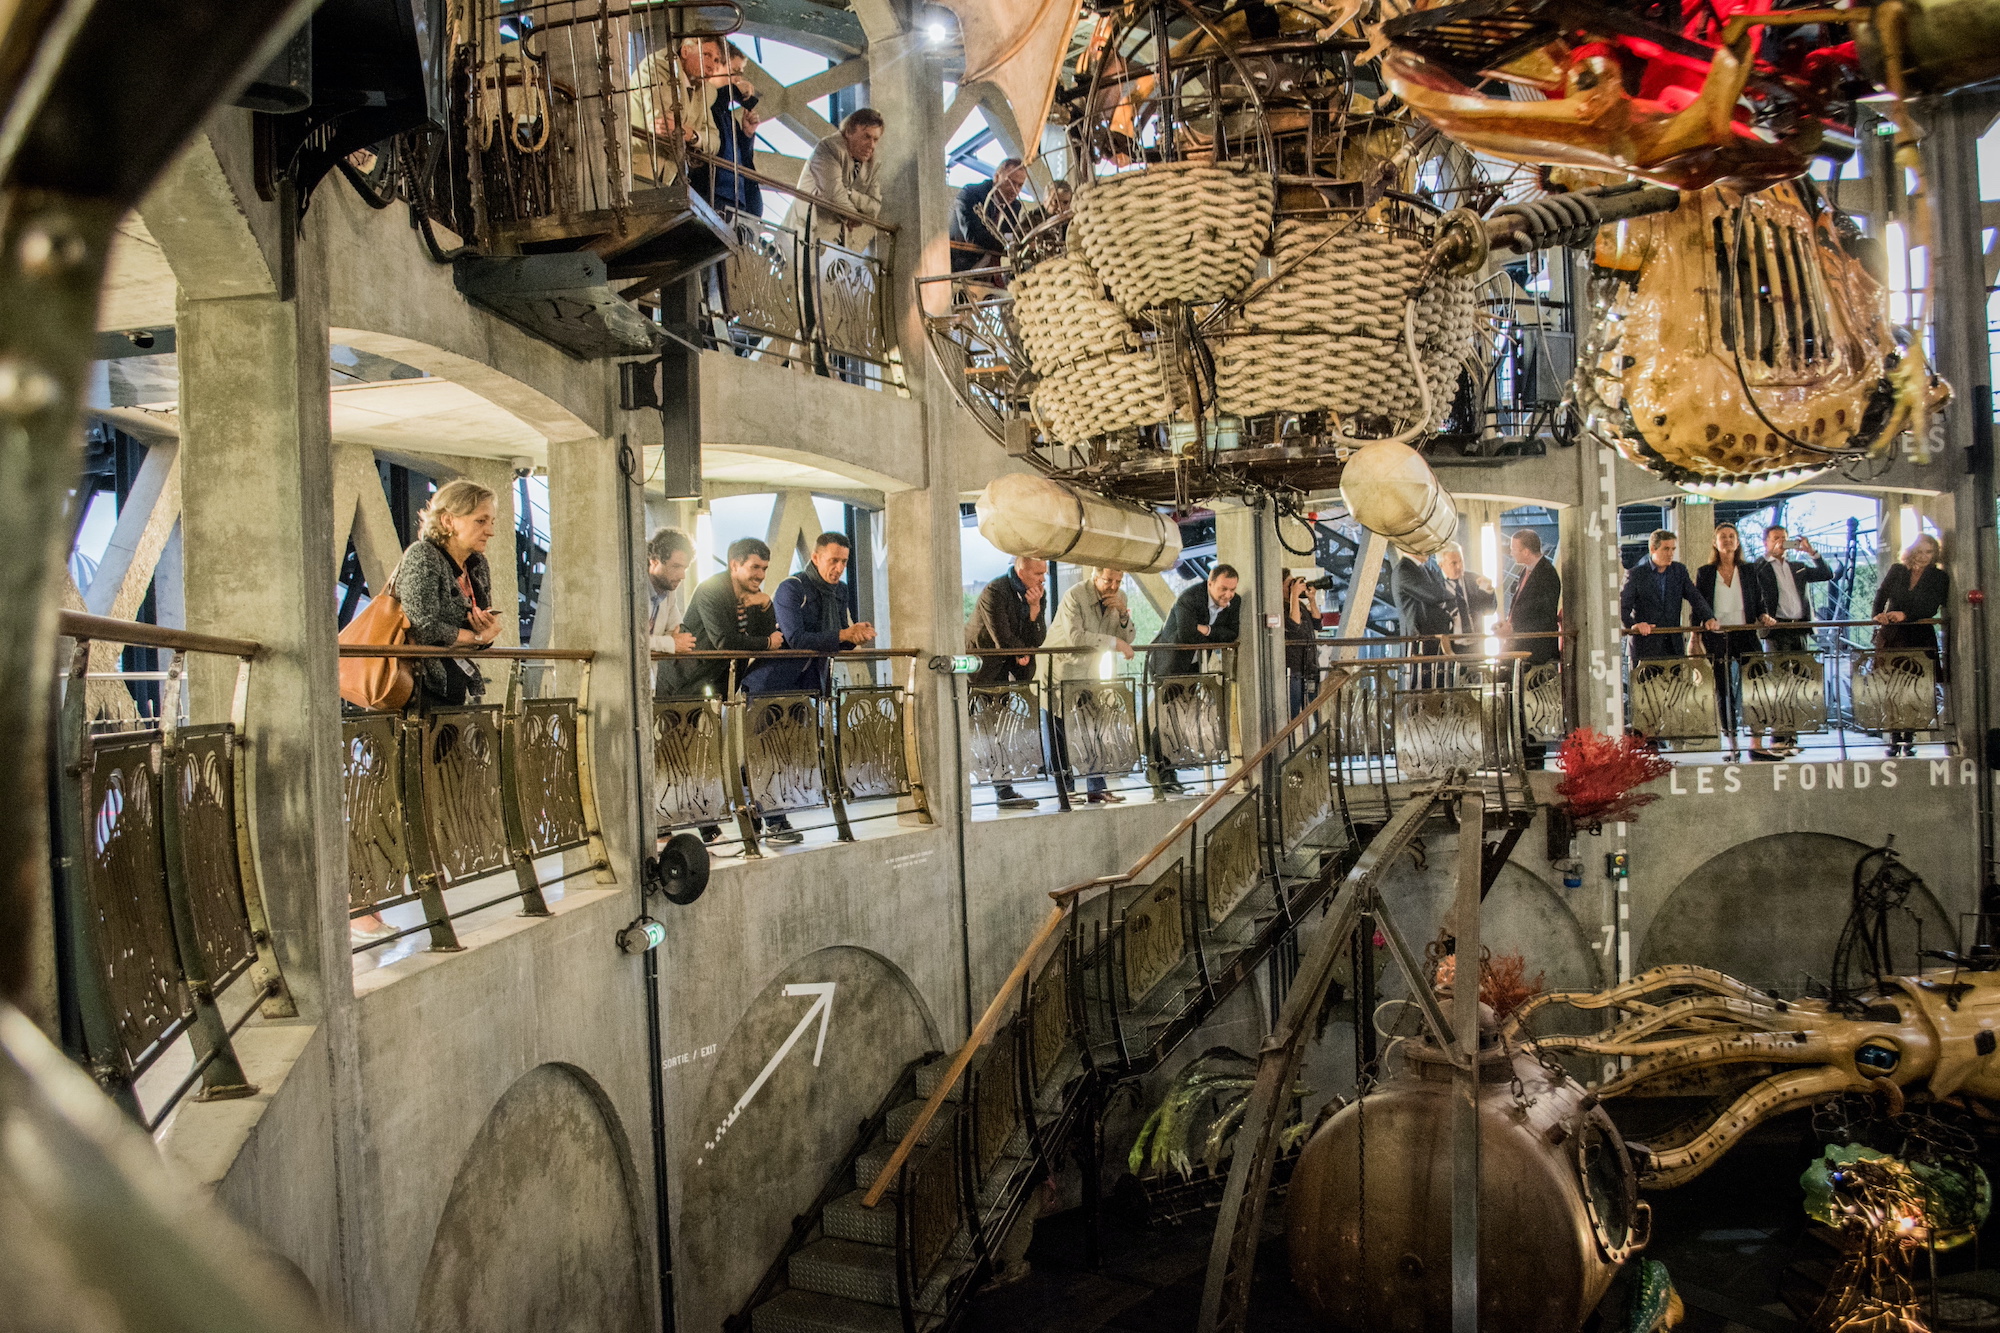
(1321, 584)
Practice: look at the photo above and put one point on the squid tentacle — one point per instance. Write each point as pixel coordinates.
(1630, 994)
(1781, 1092)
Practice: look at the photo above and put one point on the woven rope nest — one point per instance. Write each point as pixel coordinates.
(1328, 333)
(1180, 231)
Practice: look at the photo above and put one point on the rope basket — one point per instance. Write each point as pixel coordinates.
(1328, 333)
(1180, 231)
(1103, 394)
(1063, 316)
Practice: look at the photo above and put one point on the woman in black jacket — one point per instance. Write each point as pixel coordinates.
(1914, 588)
(1725, 581)
(446, 591)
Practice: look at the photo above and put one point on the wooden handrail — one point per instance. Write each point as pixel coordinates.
(988, 1024)
(468, 651)
(1060, 650)
(1337, 680)
(78, 625)
(844, 655)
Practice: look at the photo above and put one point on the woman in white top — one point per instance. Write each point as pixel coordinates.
(1725, 581)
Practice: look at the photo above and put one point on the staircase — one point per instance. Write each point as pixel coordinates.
(1119, 975)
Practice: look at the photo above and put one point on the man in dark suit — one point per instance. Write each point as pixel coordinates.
(1650, 602)
(1422, 605)
(1533, 599)
(1781, 594)
(1205, 612)
(1008, 614)
(1468, 598)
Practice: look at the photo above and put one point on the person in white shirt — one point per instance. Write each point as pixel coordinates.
(669, 552)
(1737, 600)
(843, 172)
(1781, 588)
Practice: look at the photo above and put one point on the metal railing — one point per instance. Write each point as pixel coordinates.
(742, 757)
(1135, 729)
(1826, 693)
(1126, 965)
(437, 800)
(796, 295)
(159, 910)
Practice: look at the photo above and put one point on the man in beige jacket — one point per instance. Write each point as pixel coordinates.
(673, 93)
(1093, 614)
(843, 172)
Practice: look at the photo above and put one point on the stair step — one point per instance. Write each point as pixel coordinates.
(816, 1312)
(847, 1218)
(896, 1124)
(932, 1074)
(865, 1273)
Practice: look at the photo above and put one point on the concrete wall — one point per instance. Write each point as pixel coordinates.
(542, 1229)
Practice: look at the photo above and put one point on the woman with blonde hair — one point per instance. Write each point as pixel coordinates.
(1914, 588)
(447, 591)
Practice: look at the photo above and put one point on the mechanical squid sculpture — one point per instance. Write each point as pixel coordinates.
(1694, 1032)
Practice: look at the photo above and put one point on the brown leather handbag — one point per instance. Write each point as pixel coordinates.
(381, 684)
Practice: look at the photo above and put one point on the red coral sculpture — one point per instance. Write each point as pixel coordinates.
(1602, 775)
(1504, 983)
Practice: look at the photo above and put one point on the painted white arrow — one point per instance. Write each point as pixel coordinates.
(822, 1009)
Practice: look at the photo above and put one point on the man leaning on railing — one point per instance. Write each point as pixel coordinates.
(811, 607)
(843, 172)
(1205, 612)
(1008, 614)
(673, 93)
(669, 552)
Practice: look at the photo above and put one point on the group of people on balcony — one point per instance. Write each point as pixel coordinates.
(730, 615)
(1093, 619)
(989, 217)
(1745, 607)
(699, 92)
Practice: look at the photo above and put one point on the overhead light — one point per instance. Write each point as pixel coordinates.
(936, 31)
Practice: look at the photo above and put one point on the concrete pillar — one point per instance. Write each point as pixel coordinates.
(925, 604)
(257, 487)
(1592, 575)
(1245, 539)
(599, 602)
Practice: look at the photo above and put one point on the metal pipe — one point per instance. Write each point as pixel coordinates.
(1465, 1079)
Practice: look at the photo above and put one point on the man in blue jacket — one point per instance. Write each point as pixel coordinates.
(812, 613)
(811, 607)
(1650, 603)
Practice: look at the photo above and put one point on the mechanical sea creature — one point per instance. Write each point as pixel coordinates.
(1724, 98)
(1740, 340)
(1692, 1032)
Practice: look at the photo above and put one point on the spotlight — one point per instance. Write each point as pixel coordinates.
(936, 31)
(642, 936)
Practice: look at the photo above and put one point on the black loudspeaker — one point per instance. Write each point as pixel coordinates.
(680, 871)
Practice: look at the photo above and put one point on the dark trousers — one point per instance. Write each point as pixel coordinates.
(1059, 735)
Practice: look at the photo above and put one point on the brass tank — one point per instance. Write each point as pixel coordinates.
(1368, 1216)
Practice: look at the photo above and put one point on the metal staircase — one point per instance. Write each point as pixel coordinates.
(1122, 971)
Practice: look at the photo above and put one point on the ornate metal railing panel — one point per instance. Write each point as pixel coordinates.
(1101, 723)
(1049, 1018)
(1305, 790)
(782, 742)
(996, 1102)
(868, 739)
(847, 299)
(687, 762)
(931, 1201)
(760, 282)
(378, 856)
(1542, 702)
(1230, 863)
(1190, 720)
(1155, 933)
(1006, 732)
(126, 878)
(545, 776)
(1784, 692)
(1673, 697)
(1362, 716)
(204, 790)
(1895, 690)
(461, 797)
(1439, 731)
